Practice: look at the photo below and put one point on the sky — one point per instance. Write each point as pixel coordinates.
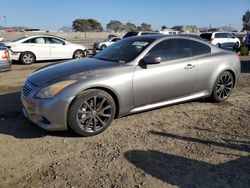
(53, 14)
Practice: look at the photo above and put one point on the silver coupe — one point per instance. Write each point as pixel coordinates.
(133, 75)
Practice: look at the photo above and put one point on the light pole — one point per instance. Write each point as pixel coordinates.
(4, 18)
(230, 27)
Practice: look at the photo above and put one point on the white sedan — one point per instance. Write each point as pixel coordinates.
(44, 47)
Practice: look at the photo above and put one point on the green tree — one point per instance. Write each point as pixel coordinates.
(129, 26)
(115, 25)
(145, 27)
(246, 20)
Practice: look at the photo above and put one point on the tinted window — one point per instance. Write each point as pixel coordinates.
(172, 49)
(54, 41)
(223, 35)
(217, 35)
(130, 34)
(199, 48)
(230, 35)
(38, 40)
(206, 36)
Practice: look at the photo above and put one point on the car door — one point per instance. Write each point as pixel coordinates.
(38, 46)
(59, 49)
(174, 77)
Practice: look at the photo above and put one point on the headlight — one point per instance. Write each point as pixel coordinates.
(51, 90)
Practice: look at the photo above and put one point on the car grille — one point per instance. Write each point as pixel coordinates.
(27, 88)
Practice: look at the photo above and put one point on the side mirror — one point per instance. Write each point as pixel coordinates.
(64, 43)
(150, 60)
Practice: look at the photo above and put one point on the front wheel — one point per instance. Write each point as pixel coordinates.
(79, 54)
(223, 87)
(27, 58)
(91, 112)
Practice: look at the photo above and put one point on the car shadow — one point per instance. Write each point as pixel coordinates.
(245, 66)
(13, 122)
(184, 172)
(240, 146)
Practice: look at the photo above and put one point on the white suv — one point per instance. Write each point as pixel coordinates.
(222, 39)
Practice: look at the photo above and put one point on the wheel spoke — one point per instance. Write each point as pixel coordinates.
(94, 124)
(84, 119)
(105, 108)
(104, 115)
(94, 102)
(87, 125)
(99, 119)
(100, 105)
(87, 104)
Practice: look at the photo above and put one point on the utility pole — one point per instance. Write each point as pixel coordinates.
(5, 23)
(230, 27)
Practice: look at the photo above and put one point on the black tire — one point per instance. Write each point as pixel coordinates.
(219, 45)
(103, 46)
(223, 87)
(27, 58)
(236, 46)
(79, 54)
(88, 118)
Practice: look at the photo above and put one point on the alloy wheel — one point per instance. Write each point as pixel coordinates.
(94, 114)
(224, 86)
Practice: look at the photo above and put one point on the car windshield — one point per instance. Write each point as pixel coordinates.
(125, 50)
(17, 39)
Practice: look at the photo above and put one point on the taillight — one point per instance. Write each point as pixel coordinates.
(5, 55)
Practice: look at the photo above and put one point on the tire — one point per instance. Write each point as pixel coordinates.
(79, 54)
(27, 58)
(236, 46)
(103, 46)
(91, 112)
(223, 87)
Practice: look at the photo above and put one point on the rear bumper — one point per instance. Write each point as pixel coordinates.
(5, 65)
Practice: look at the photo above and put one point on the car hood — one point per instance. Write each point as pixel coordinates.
(60, 70)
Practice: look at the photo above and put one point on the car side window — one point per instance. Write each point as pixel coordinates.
(172, 49)
(230, 35)
(217, 35)
(54, 41)
(37, 40)
(224, 35)
(199, 48)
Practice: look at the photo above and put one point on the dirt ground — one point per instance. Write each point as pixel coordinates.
(195, 144)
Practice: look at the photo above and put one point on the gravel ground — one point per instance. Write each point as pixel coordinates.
(195, 144)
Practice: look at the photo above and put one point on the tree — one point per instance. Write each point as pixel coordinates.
(85, 25)
(145, 27)
(129, 26)
(115, 25)
(163, 27)
(246, 20)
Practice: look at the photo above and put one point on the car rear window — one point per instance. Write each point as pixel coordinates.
(206, 36)
(130, 34)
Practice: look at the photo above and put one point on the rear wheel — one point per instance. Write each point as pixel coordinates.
(223, 87)
(103, 46)
(91, 112)
(27, 58)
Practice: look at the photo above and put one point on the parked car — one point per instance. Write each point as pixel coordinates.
(222, 39)
(130, 76)
(100, 45)
(44, 47)
(139, 33)
(1, 39)
(5, 59)
(169, 32)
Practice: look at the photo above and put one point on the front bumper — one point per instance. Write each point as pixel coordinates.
(5, 65)
(49, 114)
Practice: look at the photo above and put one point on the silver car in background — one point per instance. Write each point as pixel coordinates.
(133, 75)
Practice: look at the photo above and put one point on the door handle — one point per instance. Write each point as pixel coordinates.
(189, 66)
